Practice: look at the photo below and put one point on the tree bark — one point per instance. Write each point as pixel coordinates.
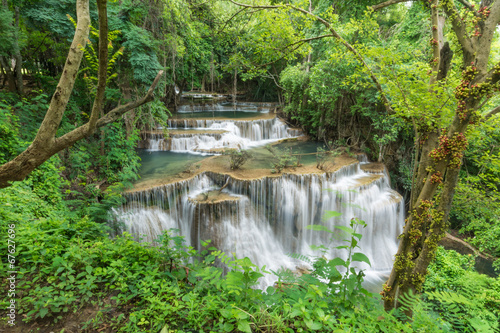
(440, 156)
(11, 81)
(17, 56)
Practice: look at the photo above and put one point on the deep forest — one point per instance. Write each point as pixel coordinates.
(136, 136)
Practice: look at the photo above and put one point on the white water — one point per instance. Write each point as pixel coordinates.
(269, 219)
(226, 107)
(239, 134)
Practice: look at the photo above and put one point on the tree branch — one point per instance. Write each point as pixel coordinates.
(387, 3)
(293, 50)
(469, 7)
(47, 131)
(488, 29)
(337, 37)
(491, 113)
(307, 40)
(435, 42)
(45, 144)
(114, 114)
(79, 133)
(103, 65)
(459, 29)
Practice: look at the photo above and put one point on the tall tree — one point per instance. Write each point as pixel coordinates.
(440, 149)
(440, 145)
(46, 143)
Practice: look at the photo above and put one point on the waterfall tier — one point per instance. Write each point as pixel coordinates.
(266, 219)
(208, 135)
(226, 107)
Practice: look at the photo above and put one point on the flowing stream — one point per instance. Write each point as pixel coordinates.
(266, 218)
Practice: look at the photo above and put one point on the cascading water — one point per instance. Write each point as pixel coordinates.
(234, 134)
(226, 107)
(265, 219)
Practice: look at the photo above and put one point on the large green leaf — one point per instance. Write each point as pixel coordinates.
(361, 258)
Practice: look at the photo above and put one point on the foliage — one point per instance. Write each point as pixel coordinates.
(466, 299)
(475, 207)
(9, 131)
(138, 287)
(91, 57)
(7, 31)
(237, 158)
(324, 156)
(282, 159)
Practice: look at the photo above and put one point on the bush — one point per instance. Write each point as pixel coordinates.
(282, 158)
(237, 158)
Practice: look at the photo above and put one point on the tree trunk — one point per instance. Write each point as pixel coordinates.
(17, 56)
(441, 151)
(235, 85)
(9, 73)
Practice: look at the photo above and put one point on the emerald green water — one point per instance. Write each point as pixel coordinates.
(157, 165)
(163, 164)
(262, 158)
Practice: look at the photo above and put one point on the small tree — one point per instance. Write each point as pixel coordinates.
(237, 158)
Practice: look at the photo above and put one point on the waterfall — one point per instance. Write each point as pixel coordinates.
(266, 219)
(234, 134)
(225, 107)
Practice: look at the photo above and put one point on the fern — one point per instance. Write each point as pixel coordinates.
(461, 311)
(90, 54)
(300, 257)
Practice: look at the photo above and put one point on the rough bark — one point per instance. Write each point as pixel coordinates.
(441, 154)
(46, 143)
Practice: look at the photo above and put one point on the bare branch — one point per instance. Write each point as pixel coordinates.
(79, 133)
(387, 3)
(307, 40)
(114, 114)
(302, 41)
(230, 19)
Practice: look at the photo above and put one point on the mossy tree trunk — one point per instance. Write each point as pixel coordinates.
(441, 149)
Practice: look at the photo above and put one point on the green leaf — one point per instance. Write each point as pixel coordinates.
(244, 326)
(357, 256)
(344, 228)
(330, 213)
(336, 262)
(43, 312)
(228, 327)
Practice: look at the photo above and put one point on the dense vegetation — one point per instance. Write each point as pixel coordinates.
(70, 272)
(69, 266)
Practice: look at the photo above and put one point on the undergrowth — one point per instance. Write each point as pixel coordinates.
(67, 262)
